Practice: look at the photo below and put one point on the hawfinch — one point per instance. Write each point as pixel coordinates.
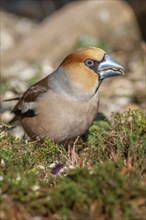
(64, 104)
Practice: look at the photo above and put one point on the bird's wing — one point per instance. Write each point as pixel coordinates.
(26, 106)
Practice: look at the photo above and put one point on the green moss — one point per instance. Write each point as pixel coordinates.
(107, 182)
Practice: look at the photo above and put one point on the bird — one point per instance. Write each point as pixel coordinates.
(64, 104)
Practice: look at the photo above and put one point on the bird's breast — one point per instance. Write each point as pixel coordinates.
(61, 118)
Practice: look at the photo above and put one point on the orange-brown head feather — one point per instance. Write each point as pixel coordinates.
(76, 70)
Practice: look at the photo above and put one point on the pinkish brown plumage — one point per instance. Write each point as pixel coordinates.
(63, 105)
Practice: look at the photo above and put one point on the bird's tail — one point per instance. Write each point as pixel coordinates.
(12, 99)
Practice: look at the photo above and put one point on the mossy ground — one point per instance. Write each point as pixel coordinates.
(107, 182)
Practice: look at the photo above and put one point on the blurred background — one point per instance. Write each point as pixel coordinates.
(37, 34)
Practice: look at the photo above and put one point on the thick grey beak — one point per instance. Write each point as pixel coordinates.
(109, 68)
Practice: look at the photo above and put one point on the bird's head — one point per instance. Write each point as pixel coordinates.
(86, 68)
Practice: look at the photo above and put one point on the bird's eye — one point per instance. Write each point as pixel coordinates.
(89, 62)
